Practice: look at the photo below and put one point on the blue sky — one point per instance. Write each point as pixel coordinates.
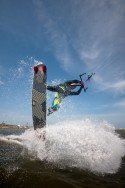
(70, 37)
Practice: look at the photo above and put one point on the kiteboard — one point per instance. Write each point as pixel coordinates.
(50, 111)
(39, 96)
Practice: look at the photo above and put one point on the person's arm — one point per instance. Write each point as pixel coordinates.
(72, 82)
(55, 89)
(52, 88)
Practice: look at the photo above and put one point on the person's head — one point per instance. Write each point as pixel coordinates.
(72, 86)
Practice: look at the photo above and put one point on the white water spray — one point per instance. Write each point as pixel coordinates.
(82, 144)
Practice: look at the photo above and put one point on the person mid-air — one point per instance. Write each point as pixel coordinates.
(66, 89)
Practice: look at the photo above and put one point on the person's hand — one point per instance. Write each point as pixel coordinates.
(85, 89)
(82, 84)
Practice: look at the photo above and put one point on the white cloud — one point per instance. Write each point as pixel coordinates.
(120, 103)
(58, 38)
(91, 54)
(116, 86)
(119, 86)
(1, 83)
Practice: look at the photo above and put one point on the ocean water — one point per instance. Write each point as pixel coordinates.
(79, 153)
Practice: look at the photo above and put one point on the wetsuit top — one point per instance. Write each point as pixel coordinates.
(66, 88)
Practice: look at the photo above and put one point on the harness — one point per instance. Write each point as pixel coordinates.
(58, 98)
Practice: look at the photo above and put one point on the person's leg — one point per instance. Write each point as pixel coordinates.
(52, 88)
(55, 89)
(55, 105)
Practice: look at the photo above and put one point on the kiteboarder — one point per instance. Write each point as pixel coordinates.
(63, 90)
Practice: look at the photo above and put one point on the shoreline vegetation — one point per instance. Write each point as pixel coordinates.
(5, 126)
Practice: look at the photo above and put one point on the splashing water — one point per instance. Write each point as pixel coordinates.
(82, 144)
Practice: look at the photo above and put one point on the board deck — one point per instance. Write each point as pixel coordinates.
(39, 96)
